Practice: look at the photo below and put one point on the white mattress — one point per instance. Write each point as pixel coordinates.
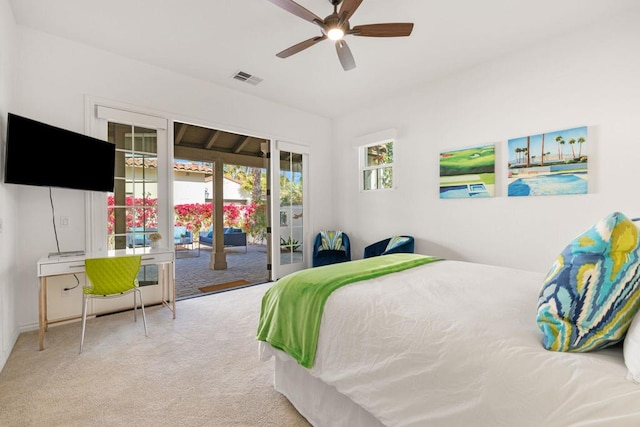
(456, 344)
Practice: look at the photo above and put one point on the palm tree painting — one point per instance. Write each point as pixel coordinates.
(535, 171)
(468, 173)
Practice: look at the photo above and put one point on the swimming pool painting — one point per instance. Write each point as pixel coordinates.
(468, 173)
(553, 163)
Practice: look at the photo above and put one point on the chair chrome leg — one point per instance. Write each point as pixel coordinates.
(84, 320)
(135, 307)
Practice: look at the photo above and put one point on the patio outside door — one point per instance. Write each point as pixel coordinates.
(290, 229)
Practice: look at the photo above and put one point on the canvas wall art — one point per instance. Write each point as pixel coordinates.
(468, 173)
(551, 163)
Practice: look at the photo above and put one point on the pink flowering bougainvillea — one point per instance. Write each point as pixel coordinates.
(139, 212)
(142, 212)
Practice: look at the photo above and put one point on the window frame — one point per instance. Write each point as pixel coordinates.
(130, 186)
(363, 167)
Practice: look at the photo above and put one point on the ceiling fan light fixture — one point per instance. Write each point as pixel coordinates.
(336, 27)
(335, 33)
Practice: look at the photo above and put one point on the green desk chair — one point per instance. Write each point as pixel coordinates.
(112, 277)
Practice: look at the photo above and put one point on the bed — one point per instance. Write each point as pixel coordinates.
(448, 343)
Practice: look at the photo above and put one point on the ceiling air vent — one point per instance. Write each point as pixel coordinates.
(246, 77)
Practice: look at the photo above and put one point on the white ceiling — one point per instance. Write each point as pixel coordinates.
(212, 39)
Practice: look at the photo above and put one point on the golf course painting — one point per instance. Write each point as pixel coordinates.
(468, 173)
(552, 163)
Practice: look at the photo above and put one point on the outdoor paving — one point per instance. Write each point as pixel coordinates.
(193, 272)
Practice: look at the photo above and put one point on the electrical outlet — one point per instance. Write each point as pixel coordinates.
(66, 293)
(64, 221)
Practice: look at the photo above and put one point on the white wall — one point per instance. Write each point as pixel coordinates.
(588, 78)
(8, 199)
(52, 77)
(191, 189)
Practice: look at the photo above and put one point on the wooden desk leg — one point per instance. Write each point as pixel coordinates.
(42, 304)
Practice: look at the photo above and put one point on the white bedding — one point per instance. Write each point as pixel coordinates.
(456, 344)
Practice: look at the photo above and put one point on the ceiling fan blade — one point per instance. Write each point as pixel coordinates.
(382, 30)
(296, 9)
(300, 46)
(349, 7)
(345, 56)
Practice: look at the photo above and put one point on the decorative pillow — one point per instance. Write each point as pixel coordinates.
(331, 241)
(396, 241)
(631, 350)
(591, 293)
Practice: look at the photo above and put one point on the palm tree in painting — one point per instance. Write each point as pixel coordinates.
(581, 140)
(518, 150)
(572, 142)
(528, 152)
(560, 142)
(542, 151)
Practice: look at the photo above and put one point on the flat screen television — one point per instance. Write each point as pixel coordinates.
(44, 155)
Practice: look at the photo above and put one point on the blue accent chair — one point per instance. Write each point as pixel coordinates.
(380, 248)
(326, 257)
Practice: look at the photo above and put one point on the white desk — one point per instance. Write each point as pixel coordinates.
(56, 266)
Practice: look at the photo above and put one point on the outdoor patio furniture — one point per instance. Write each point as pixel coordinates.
(183, 239)
(232, 237)
(139, 236)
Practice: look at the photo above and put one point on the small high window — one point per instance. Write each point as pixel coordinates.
(377, 166)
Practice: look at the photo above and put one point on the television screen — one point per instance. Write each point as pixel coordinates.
(45, 155)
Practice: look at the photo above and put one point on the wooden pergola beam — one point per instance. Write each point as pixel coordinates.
(182, 129)
(241, 144)
(212, 139)
(202, 155)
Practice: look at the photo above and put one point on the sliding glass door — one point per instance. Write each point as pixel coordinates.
(290, 242)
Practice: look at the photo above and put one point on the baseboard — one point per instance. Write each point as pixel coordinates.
(4, 356)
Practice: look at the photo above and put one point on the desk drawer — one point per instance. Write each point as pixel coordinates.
(157, 258)
(57, 268)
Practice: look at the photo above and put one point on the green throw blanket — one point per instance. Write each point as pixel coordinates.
(292, 308)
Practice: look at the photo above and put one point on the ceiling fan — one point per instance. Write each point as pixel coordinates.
(336, 26)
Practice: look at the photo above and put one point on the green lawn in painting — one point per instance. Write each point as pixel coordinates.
(468, 173)
(475, 160)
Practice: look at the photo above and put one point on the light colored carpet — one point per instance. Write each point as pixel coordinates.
(201, 369)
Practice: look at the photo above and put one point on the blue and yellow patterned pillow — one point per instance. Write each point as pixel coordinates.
(395, 241)
(591, 294)
(331, 241)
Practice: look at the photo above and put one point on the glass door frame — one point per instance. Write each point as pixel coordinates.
(97, 114)
(278, 269)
